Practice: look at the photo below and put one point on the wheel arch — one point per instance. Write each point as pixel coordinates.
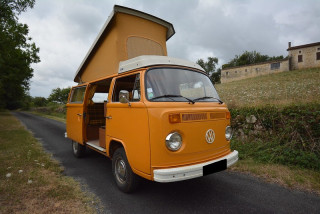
(114, 145)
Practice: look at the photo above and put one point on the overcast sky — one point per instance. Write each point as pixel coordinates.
(65, 29)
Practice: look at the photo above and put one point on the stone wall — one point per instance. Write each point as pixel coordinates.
(253, 70)
(309, 57)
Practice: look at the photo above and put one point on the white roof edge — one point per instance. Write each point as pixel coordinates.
(130, 11)
(148, 60)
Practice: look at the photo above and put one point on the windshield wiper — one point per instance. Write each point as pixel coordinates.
(172, 95)
(203, 98)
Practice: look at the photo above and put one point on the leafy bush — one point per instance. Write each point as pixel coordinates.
(288, 135)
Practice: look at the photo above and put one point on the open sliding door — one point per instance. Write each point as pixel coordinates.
(76, 114)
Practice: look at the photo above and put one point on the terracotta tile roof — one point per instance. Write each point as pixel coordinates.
(303, 46)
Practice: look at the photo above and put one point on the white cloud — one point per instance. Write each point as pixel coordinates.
(64, 30)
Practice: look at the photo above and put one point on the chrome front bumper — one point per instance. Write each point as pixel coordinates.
(189, 172)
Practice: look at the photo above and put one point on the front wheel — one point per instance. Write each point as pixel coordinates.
(126, 180)
(78, 149)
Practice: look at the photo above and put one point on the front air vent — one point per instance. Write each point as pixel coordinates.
(217, 115)
(193, 117)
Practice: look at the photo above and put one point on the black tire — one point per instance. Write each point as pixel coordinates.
(78, 149)
(125, 179)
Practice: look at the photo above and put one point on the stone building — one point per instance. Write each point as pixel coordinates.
(299, 57)
(304, 56)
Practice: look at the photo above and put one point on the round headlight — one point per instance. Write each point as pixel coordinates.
(174, 141)
(228, 133)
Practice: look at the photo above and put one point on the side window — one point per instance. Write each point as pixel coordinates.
(77, 94)
(100, 97)
(130, 84)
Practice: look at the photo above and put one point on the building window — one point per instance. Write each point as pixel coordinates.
(300, 58)
(235, 71)
(246, 70)
(299, 52)
(227, 73)
(318, 55)
(318, 49)
(275, 65)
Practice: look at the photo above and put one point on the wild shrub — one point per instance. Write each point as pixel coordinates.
(289, 135)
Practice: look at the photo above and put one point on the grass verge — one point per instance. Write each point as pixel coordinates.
(291, 177)
(31, 181)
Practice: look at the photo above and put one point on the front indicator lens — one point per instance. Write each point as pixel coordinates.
(228, 133)
(174, 118)
(174, 141)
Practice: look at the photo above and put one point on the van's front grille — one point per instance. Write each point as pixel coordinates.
(192, 117)
(185, 117)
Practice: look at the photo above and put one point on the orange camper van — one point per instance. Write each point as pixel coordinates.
(154, 116)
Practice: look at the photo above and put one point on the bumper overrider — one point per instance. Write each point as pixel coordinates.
(194, 171)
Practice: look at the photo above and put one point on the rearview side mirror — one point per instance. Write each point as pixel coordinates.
(124, 97)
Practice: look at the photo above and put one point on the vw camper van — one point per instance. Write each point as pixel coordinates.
(154, 116)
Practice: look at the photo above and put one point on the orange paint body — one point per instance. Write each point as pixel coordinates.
(163, 111)
(142, 127)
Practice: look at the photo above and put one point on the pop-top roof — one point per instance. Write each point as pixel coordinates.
(107, 28)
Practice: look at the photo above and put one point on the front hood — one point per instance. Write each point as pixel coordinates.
(196, 121)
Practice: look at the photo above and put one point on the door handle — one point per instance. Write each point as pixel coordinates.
(108, 117)
(79, 114)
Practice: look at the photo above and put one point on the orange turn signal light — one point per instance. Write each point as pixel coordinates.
(228, 115)
(174, 118)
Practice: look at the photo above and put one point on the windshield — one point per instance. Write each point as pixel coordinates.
(179, 85)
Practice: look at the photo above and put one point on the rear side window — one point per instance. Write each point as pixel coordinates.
(77, 94)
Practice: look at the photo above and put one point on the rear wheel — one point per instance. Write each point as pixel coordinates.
(78, 149)
(126, 180)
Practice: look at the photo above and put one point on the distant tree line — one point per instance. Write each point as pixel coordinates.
(248, 58)
(57, 96)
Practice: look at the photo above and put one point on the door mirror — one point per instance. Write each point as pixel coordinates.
(124, 97)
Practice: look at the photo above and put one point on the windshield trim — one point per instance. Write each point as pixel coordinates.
(172, 67)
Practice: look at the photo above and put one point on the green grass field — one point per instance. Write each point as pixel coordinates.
(299, 86)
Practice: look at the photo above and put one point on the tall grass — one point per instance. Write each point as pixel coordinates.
(299, 86)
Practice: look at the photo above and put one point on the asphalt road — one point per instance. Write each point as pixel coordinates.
(223, 192)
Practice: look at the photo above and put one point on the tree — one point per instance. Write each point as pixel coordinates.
(248, 58)
(39, 101)
(59, 95)
(17, 54)
(210, 68)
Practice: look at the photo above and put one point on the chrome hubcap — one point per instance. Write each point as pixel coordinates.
(120, 170)
(75, 147)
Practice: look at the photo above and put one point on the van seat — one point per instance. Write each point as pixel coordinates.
(96, 114)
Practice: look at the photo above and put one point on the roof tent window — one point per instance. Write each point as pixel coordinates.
(137, 46)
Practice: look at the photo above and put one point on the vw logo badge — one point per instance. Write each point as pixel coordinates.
(210, 136)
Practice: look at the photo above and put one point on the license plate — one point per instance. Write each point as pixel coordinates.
(215, 167)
